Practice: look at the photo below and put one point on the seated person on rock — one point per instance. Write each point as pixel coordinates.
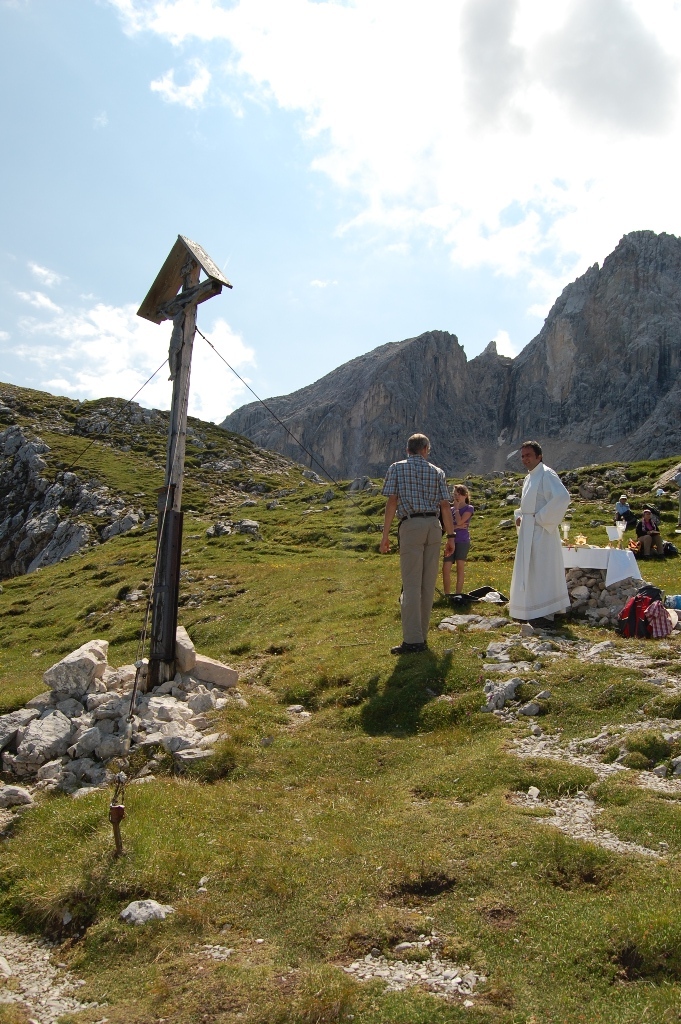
(623, 512)
(648, 532)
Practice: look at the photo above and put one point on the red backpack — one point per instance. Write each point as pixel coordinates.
(631, 621)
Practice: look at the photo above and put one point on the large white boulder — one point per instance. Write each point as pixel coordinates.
(15, 720)
(44, 739)
(185, 652)
(179, 736)
(76, 674)
(14, 796)
(208, 670)
(141, 911)
(86, 743)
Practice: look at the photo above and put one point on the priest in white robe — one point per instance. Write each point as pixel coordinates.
(538, 587)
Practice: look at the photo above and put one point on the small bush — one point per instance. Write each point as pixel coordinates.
(611, 753)
(648, 742)
(638, 761)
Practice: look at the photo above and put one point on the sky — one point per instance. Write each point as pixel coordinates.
(361, 170)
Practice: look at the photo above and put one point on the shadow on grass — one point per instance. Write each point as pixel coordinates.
(396, 706)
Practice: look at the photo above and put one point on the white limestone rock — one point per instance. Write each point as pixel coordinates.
(42, 701)
(11, 723)
(14, 796)
(165, 708)
(141, 911)
(122, 525)
(75, 675)
(208, 670)
(111, 746)
(71, 708)
(52, 771)
(86, 743)
(530, 709)
(190, 755)
(185, 652)
(112, 708)
(119, 678)
(93, 700)
(44, 739)
(200, 702)
(176, 736)
(493, 622)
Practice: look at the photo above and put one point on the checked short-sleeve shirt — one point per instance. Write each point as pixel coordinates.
(419, 485)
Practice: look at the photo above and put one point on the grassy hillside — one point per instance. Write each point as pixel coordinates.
(384, 816)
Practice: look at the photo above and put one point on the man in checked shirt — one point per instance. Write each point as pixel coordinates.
(417, 491)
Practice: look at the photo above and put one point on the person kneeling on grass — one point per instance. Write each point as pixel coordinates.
(462, 511)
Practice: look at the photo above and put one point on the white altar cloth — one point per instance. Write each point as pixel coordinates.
(619, 565)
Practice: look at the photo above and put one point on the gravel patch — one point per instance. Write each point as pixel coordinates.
(587, 752)
(440, 977)
(42, 988)
(575, 817)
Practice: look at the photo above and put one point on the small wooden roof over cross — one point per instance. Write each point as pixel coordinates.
(169, 279)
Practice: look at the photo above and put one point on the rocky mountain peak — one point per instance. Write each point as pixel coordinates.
(600, 381)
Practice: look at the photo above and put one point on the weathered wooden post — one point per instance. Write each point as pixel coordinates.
(180, 273)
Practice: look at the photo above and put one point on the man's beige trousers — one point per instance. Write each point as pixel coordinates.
(419, 563)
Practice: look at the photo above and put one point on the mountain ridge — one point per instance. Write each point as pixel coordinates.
(601, 380)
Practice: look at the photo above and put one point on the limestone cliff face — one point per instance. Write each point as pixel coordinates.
(600, 381)
(606, 363)
(356, 419)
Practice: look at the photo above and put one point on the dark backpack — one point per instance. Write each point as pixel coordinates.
(648, 590)
(669, 549)
(631, 621)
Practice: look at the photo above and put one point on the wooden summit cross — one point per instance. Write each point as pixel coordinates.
(181, 270)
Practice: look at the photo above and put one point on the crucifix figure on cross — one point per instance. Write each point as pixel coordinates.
(174, 295)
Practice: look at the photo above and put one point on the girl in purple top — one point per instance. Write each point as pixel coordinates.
(462, 511)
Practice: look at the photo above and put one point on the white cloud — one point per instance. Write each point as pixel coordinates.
(46, 276)
(526, 135)
(40, 301)
(539, 309)
(609, 67)
(505, 346)
(321, 284)
(100, 120)
(4, 335)
(109, 351)
(190, 95)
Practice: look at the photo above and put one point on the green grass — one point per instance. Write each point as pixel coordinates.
(383, 816)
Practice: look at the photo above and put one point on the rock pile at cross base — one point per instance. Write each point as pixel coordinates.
(65, 738)
(601, 381)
